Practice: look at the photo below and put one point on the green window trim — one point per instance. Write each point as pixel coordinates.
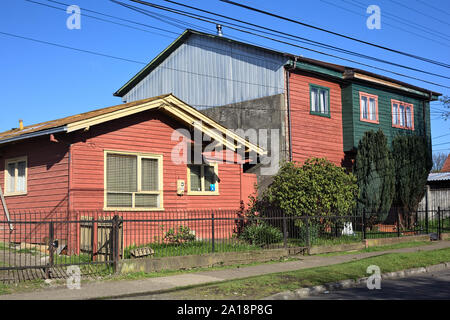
(326, 114)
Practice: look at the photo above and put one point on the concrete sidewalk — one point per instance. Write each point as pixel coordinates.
(125, 288)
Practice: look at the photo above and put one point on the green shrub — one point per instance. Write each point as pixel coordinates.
(184, 234)
(261, 234)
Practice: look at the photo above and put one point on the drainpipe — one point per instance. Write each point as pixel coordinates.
(288, 106)
(5, 208)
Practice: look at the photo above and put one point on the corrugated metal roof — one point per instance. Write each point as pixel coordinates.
(439, 176)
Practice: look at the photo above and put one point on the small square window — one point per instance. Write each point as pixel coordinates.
(319, 100)
(16, 176)
(203, 179)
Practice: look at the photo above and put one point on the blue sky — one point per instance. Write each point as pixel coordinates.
(42, 82)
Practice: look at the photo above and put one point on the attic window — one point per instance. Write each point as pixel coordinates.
(402, 115)
(319, 100)
(368, 107)
(16, 176)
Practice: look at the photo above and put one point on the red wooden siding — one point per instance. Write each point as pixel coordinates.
(313, 135)
(47, 177)
(148, 132)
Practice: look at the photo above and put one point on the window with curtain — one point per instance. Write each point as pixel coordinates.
(203, 179)
(402, 115)
(16, 176)
(320, 99)
(369, 107)
(133, 181)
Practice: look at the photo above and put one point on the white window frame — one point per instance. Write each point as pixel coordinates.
(159, 192)
(202, 175)
(7, 177)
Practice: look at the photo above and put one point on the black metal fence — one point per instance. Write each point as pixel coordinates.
(42, 245)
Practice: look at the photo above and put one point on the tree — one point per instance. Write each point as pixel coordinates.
(438, 161)
(412, 165)
(374, 170)
(317, 188)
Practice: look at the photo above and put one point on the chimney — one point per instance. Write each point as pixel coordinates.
(21, 124)
(219, 30)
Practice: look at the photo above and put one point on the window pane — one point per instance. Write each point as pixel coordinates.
(323, 102)
(11, 177)
(21, 182)
(372, 109)
(315, 100)
(408, 117)
(119, 200)
(196, 181)
(121, 173)
(149, 175)
(210, 178)
(364, 108)
(402, 115)
(395, 114)
(146, 201)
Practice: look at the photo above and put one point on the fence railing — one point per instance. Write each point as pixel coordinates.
(43, 244)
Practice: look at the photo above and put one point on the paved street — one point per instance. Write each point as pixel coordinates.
(430, 286)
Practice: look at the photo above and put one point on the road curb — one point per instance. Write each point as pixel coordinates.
(351, 283)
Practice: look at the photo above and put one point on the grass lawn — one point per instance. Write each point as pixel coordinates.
(263, 286)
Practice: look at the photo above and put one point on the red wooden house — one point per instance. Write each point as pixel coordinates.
(128, 159)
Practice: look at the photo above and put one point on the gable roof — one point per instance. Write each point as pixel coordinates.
(340, 71)
(167, 103)
(446, 166)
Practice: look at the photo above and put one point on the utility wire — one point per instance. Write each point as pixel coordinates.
(291, 36)
(402, 20)
(288, 43)
(105, 20)
(420, 12)
(338, 34)
(115, 17)
(428, 5)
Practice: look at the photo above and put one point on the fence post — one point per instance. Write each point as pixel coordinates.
(212, 232)
(364, 224)
(398, 223)
(285, 234)
(115, 242)
(439, 222)
(308, 240)
(51, 236)
(426, 219)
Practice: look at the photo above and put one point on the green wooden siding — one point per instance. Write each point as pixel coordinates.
(354, 128)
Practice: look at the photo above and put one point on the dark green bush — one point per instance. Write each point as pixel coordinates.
(261, 234)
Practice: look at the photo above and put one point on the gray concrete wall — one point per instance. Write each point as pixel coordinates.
(262, 113)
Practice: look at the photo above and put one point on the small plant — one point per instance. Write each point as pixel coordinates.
(182, 235)
(261, 234)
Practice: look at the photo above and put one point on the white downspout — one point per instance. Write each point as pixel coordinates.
(5, 208)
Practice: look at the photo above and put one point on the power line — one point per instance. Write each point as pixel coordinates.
(420, 12)
(337, 34)
(115, 17)
(105, 20)
(70, 48)
(398, 18)
(428, 5)
(284, 42)
(290, 36)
